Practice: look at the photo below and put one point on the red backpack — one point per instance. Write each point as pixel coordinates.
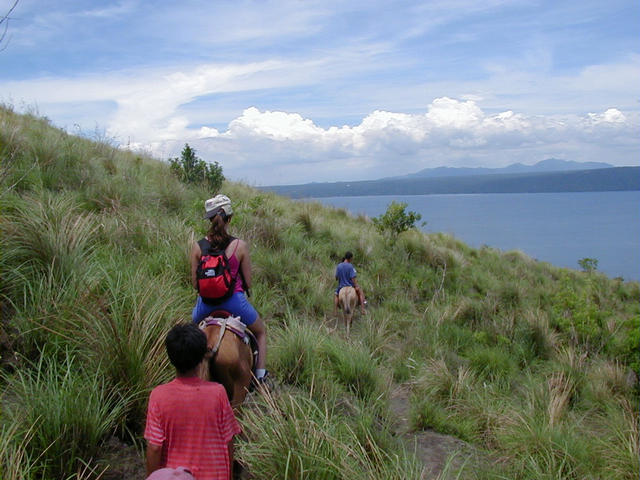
(215, 282)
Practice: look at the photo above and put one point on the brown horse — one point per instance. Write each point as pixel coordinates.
(230, 358)
(347, 299)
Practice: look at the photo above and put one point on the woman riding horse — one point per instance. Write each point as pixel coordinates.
(219, 212)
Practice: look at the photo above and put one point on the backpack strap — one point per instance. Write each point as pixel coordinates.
(205, 245)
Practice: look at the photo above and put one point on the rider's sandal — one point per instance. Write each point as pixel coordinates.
(262, 382)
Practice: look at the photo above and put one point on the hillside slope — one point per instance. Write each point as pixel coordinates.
(531, 366)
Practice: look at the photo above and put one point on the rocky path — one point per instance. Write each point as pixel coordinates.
(431, 448)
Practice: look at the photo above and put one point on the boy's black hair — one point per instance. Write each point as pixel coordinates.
(348, 255)
(186, 346)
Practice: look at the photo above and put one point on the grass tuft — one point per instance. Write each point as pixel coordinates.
(62, 412)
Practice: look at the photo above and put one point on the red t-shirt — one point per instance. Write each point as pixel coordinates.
(193, 422)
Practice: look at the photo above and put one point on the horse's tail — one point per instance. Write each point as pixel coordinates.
(345, 299)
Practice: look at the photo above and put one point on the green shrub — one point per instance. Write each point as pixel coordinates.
(396, 220)
(624, 344)
(191, 169)
(576, 315)
(588, 264)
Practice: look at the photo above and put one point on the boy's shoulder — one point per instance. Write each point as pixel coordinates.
(181, 384)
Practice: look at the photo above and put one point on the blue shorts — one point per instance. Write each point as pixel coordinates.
(236, 305)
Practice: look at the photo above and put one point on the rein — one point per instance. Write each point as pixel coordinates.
(222, 323)
(223, 327)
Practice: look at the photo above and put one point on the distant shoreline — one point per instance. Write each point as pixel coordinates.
(594, 180)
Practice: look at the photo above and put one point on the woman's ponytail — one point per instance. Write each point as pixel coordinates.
(217, 234)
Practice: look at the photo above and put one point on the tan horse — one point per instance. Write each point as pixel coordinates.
(347, 299)
(230, 359)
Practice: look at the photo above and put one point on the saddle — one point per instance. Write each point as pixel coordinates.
(226, 321)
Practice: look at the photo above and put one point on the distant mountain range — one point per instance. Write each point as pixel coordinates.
(517, 178)
(548, 165)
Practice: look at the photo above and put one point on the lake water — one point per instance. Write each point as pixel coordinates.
(559, 228)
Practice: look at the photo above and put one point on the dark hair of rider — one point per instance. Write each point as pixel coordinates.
(186, 346)
(347, 256)
(217, 233)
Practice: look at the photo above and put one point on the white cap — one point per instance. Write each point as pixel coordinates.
(215, 205)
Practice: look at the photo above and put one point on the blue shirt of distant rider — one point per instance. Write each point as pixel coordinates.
(345, 272)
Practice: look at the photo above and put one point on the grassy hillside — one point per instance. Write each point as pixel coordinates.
(531, 365)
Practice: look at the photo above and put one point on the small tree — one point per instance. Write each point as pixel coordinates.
(588, 264)
(191, 169)
(396, 220)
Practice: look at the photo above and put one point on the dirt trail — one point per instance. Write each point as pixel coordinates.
(431, 448)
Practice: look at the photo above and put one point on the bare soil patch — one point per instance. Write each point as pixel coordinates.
(124, 461)
(433, 449)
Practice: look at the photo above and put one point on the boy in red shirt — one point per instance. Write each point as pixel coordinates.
(190, 422)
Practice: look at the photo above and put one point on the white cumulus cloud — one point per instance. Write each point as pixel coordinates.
(269, 147)
(612, 115)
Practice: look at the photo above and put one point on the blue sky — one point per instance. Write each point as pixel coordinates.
(285, 91)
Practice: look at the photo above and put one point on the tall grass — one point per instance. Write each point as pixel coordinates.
(15, 462)
(48, 233)
(121, 333)
(328, 366)
(62, 411)
(295, 437)
(47, 263)
(618, 439)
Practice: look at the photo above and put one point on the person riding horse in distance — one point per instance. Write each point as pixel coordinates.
(346, 276)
